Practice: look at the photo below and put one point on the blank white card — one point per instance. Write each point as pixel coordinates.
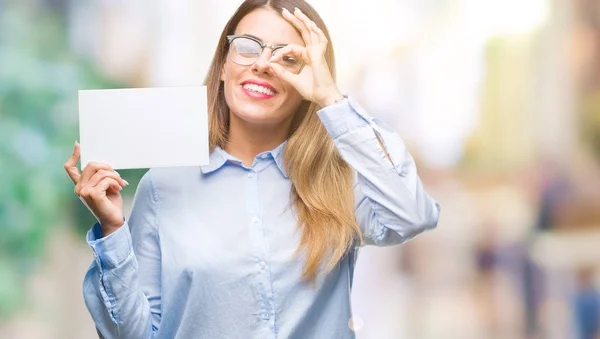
(144, 127)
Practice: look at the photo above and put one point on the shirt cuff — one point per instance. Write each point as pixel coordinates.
(344, 116)
(111, 250)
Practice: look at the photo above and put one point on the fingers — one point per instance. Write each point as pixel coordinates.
(309, 26)
(92, 169)
(71, 165)
(99, 191)
(320, 33)
(107, 184)
(299, 24)
(101, 174)
(92, 174)
(282, 73)
(299, 52)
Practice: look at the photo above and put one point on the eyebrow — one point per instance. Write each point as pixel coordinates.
(259, 39)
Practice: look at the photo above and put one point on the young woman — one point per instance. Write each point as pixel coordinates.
(261, 242)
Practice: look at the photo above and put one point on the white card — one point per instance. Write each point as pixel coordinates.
(144, 127)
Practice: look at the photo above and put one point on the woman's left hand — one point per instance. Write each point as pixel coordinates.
(315, 82)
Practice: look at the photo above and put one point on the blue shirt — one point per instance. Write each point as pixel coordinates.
(208, 252)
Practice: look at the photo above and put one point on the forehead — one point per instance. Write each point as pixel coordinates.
(270, 27)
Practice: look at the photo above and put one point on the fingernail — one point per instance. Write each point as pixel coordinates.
(76, 143)
(286, 10)
(126, 183)
(297, 9)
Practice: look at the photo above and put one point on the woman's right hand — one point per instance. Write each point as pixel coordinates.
(100, 187)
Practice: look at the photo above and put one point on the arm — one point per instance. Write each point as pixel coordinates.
(122, 286)
(391, 205)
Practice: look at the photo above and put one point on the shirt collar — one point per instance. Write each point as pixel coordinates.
(277, 154)
(218, 158)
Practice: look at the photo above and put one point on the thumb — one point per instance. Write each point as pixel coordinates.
(283, 74)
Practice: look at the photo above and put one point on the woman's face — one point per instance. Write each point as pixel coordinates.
(244, 86)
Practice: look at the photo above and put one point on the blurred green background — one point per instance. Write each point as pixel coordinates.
(40, 76)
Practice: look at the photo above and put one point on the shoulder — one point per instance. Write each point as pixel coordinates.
(167, 187)
(170, 179)
(165, 175)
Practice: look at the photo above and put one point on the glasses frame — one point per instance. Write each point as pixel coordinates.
(231, 38)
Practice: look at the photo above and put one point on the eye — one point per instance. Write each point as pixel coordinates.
(246, 47)
(289, 60)
(286, 59)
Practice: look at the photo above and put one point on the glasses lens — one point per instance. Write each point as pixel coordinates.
(289, 62)
(245, 51)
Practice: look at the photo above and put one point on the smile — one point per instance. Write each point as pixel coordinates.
(258, 89)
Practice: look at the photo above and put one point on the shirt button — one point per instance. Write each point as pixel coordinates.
(266, 315)
(263, 265)
(263, 156)
(251, 175)
(255, 220)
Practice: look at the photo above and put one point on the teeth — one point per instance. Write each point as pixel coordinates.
(257, 88)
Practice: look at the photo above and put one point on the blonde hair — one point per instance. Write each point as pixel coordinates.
(321, 180)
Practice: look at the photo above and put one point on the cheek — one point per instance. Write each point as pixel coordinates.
(293, 96)
(227, 69)
(226, 74)
(229, 77)
(230, 72)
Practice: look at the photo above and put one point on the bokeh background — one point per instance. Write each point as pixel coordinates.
(498, 100)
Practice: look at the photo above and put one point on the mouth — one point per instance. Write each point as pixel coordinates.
(258, 89)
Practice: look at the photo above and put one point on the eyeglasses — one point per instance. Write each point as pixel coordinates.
(245, 50)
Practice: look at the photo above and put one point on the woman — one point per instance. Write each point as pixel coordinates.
(261, 242)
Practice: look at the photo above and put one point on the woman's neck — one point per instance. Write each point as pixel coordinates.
(247, 140)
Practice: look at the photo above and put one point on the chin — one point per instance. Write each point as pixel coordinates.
(252, 113)
(256, 112)
(254, 116)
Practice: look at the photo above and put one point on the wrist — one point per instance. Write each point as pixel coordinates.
(108, 228)
(108, 231)
(332, 99)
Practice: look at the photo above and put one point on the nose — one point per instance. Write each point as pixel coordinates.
(261, 65)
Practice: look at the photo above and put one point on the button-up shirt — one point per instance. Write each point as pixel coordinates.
(209, 252)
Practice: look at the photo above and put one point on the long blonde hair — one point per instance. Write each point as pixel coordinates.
(321, 180)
